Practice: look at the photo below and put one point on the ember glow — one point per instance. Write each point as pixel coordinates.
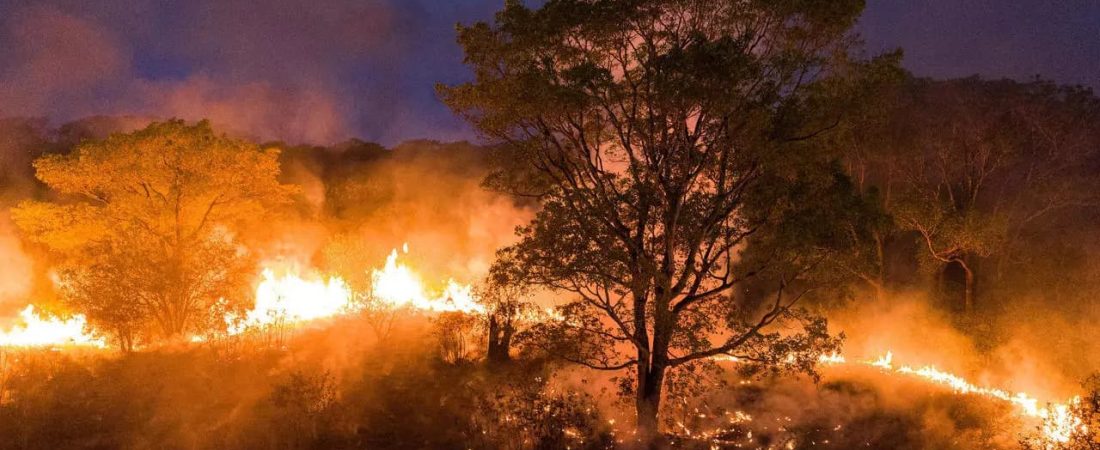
(36, 331)
(1059, 423)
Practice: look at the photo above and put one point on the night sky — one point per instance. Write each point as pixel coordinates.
(323, 71)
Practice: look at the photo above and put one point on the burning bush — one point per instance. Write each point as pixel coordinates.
(1084, 430)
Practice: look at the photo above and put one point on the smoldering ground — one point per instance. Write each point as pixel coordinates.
(338, 384)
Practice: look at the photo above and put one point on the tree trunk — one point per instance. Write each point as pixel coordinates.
(651, 379)
(500, 341)
(652, 360)
(175, 322)
(880, 275)
(648, 403)
(125, 341)
(968, 291)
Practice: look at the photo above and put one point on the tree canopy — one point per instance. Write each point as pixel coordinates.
(145, 226)
(969, 168)
(672, 145)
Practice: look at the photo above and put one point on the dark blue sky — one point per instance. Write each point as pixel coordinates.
(323, 71)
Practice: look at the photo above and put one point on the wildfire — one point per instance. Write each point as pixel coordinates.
(1059, 423)
(36, 331)
(286, 296)
(832, 358)
(290, 298)
(397, 285)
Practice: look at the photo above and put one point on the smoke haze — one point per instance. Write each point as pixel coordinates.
(301, 72)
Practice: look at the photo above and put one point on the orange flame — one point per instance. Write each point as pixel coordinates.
(399, 286)
(1059, 422)
(1060, 425)
(36, 331)
(292, 298)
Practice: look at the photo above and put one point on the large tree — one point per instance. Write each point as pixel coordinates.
(672, 144)
(146, 226)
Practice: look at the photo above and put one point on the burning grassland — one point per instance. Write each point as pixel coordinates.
(340, 384)
(294, 305)
(285, 296)
(32, 329)
(329, 330)
(303, 321)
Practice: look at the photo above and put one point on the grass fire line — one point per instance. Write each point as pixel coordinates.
(1059, 423)
(293, 299)
(287, 295)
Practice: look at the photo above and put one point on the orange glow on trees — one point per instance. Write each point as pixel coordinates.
(145, 227)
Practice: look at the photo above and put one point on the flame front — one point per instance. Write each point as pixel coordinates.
(288, 297)
(398, 286)
(293, 299)
(284, 296)
(38, 332)
(1059, 423)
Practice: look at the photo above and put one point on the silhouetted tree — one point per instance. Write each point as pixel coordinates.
(969, 167)
(505, 294)
(664, 137)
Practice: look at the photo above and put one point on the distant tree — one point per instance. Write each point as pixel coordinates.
(350, 257)
(146, 226)
(971, 166)
(663, 138)
(454, 332)
(864, 141)
(505, 294)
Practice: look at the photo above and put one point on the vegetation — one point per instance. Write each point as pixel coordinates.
(661, 138)
(145, 227)
(968, 168)
(399, 394)
(1087, 409)
(694, 187)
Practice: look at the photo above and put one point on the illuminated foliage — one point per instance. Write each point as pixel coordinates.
(145, 226)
